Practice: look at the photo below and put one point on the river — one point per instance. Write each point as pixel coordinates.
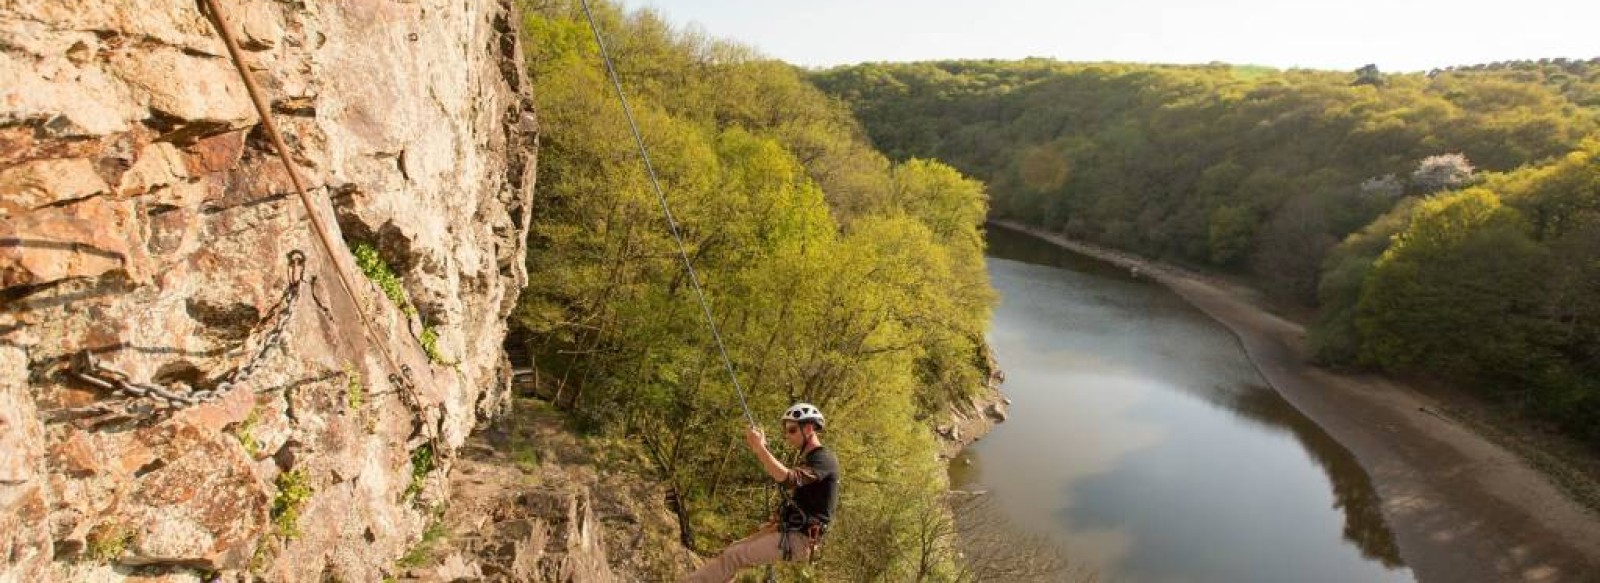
(1144, 443)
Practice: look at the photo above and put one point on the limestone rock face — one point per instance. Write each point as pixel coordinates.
(146, 220)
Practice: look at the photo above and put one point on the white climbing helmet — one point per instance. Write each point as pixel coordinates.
(804, 412)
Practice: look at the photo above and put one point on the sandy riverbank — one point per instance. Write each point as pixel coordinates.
(1462, 508)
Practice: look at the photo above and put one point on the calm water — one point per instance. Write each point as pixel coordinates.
(1143, 440)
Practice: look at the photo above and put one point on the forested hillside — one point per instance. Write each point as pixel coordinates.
(836, 277)
(1446, 224)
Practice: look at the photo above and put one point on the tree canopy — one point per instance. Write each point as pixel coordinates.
(1443, 224)
(836, 277)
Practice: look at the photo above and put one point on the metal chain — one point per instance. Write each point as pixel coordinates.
(135, 398)
(401, 374)
(406, 388)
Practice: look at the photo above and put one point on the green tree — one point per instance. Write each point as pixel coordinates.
(1423, 306)
(1232, 233)
(835, 276)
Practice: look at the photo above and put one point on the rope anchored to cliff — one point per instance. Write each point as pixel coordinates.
(136, 399)
(400, 375)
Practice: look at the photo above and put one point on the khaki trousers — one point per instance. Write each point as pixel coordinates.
(760, 548)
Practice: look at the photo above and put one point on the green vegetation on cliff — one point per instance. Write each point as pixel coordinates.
(1485, 279)
(836, 276)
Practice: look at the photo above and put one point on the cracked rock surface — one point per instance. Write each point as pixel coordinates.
(146, 220)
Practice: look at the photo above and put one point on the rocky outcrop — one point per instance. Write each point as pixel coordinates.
(531, 502)
(969, 421)
(145, 220)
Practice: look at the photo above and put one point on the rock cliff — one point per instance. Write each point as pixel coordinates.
(146, 221)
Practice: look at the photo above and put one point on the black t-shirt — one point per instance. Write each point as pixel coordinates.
(816, 486)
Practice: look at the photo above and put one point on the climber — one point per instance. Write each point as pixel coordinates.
(802, 516)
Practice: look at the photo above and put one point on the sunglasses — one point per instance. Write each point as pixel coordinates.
(792, 429)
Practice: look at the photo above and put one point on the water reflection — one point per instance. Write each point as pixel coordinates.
(1364, 524)
(1144, 438)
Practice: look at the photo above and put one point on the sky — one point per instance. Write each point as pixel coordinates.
(1396, 35)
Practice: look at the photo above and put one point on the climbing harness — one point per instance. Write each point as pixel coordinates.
(140, 399)
(793, 520)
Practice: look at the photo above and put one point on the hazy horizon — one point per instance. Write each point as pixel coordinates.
(1395, 35)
